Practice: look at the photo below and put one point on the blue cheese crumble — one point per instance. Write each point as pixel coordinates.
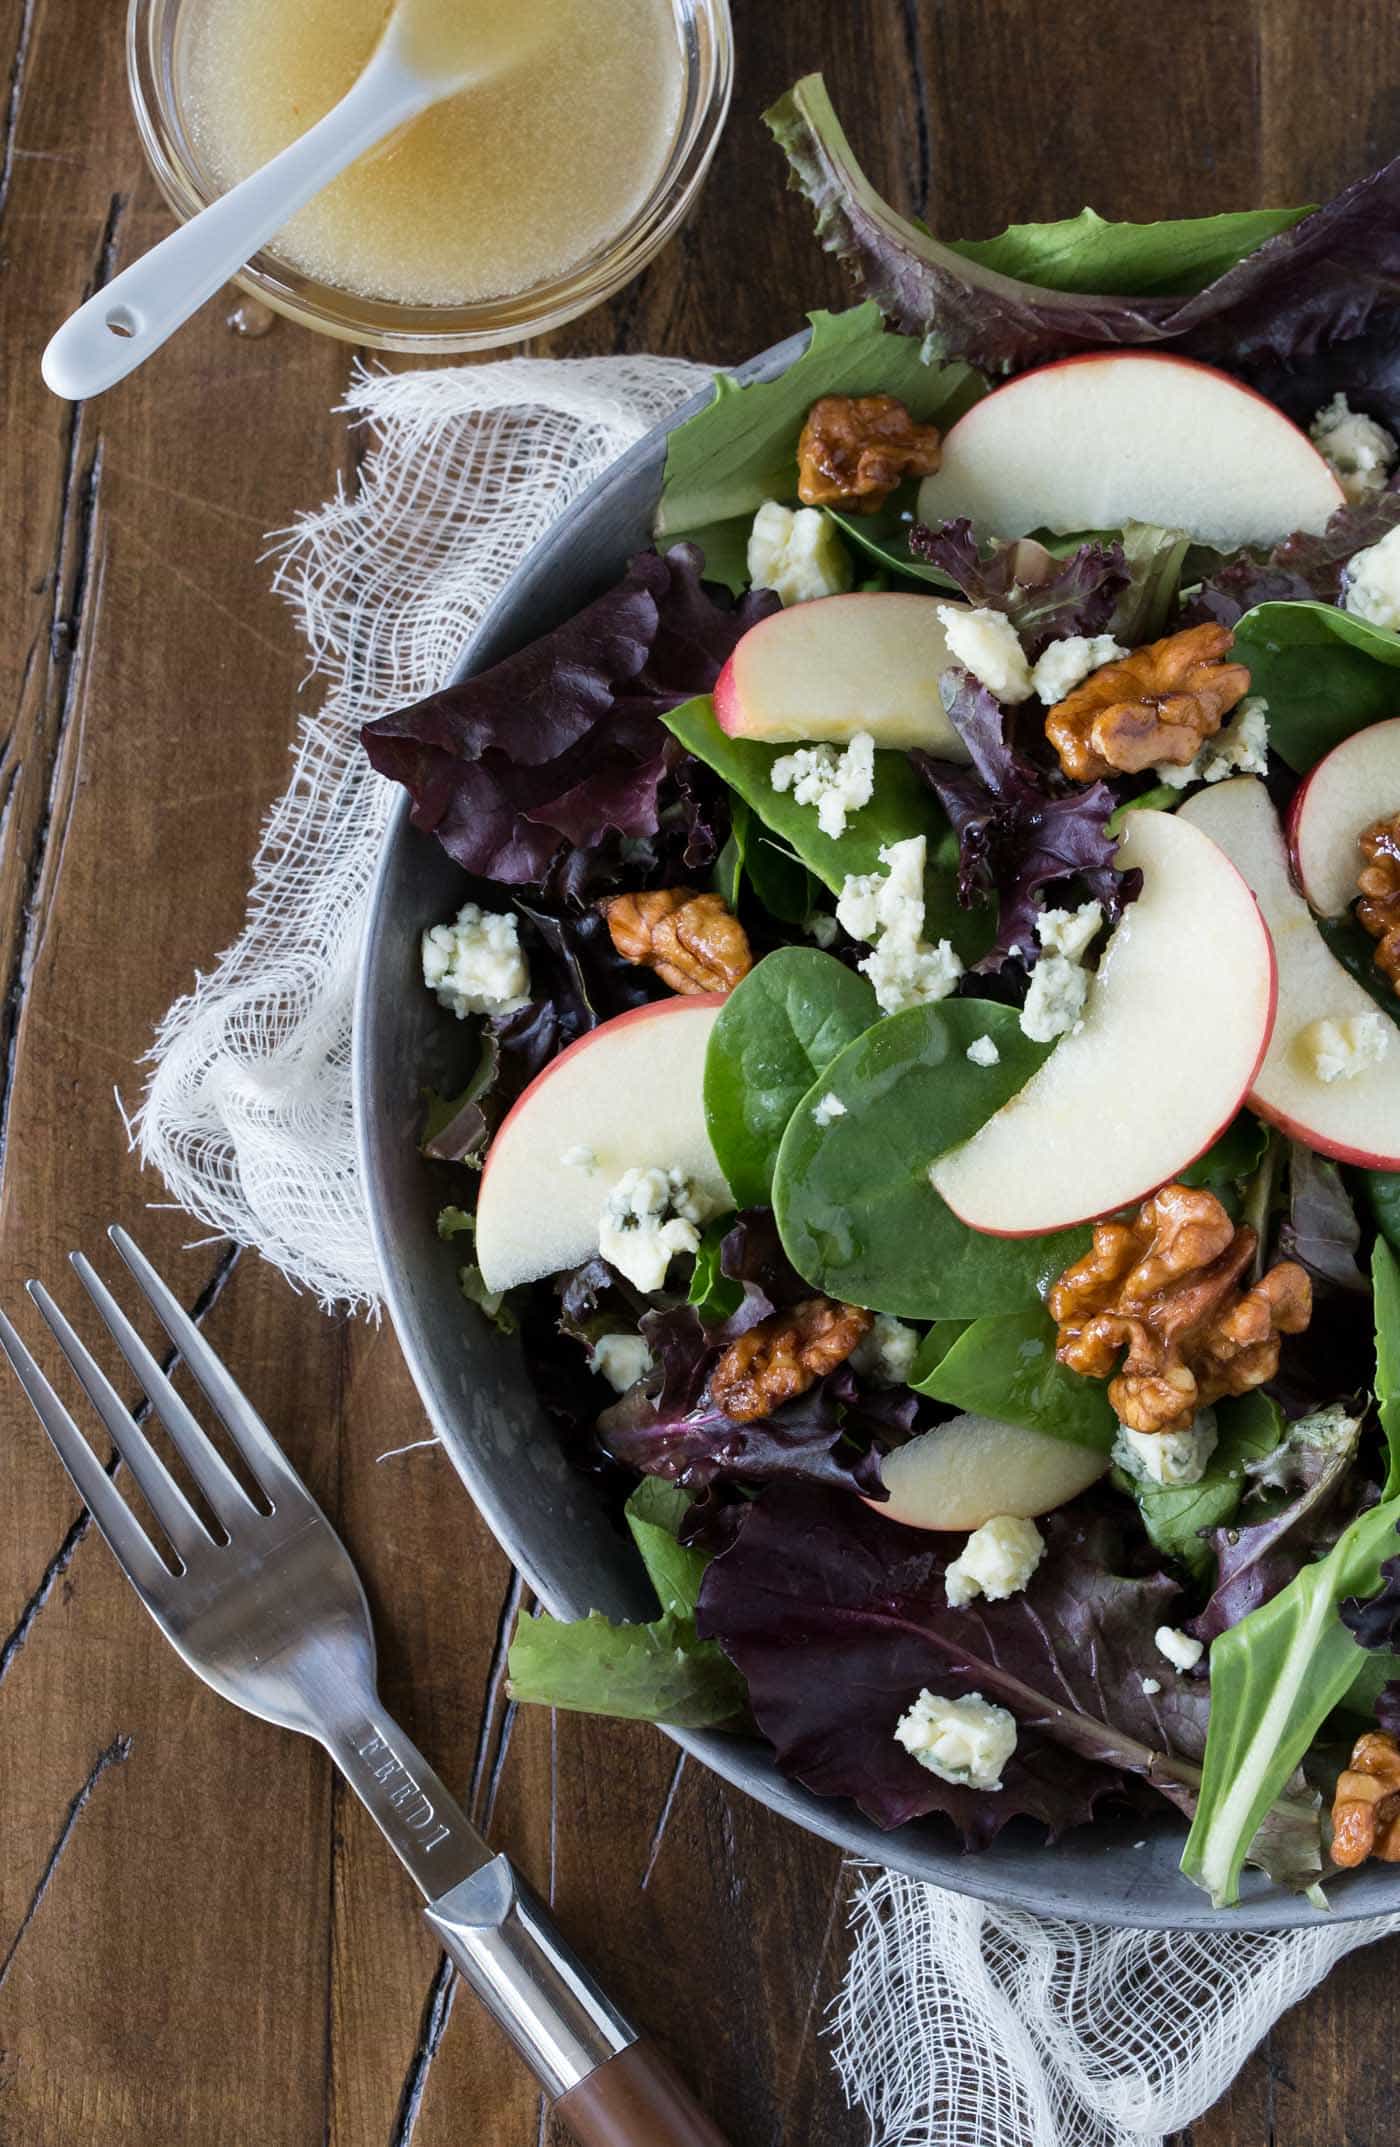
(1066, 664)
(829, 1107)
(1059, 982)
(985, 643)
(1172, 1458)
(797, 553)
(966, 1741)
(648, 1218)
(475, 964)
(1181, 1651)
(838, 784)
(996, 1561)
(886, 1354)
(983, 1052)
(1360, 453)
(622, 1359)
(1371, 588)
(886, 910)
(1339, 1049)
(1239, 747)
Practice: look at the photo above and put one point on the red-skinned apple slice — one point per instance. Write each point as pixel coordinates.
(1173, 1032)
(1356, 1120)
(825, 670)
(631, 1093)
(1097, 441)
(973, 1468)
(1354, 785)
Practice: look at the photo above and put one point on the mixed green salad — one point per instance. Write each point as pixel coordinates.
(928, 965)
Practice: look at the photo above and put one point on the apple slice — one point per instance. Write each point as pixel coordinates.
(1174, 1029)
(1356, 1120)
(1357, 783)
(973, 1468)
(1094, 442)
(825, 670)
(630, 1093)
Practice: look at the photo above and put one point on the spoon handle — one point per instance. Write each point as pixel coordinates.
(119, 326)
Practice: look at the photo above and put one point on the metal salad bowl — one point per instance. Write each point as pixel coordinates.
(551, 1520)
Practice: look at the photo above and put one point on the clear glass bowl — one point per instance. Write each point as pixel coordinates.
(153, 52)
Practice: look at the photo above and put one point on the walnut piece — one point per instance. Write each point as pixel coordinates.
(1379, 881)
(1366, 1808)
(1155, 704)
(855, 449)
(694, 942)
(1167, 1289)
(784, 1355)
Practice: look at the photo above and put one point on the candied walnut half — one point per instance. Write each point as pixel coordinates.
(1379, 881)
(694, 942)
(784, 1355)
(1168, 1290)
(855, 449)
(1366, 1808)
(1156, 704)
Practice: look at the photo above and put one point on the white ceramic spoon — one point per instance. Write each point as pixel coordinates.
(427, 52)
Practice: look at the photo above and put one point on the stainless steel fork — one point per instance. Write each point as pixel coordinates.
(271, 1613)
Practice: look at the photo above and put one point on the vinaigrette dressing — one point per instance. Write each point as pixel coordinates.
(517, 179)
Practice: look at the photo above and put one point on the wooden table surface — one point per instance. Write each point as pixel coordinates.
(201, 1938)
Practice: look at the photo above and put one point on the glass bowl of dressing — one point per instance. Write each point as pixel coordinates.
(512, 207)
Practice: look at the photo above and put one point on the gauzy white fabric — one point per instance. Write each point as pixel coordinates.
(959, 2025)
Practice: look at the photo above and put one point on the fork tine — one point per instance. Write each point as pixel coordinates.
(225, 1397)
(205, 1463)
(157, 1486)
(126, 1538)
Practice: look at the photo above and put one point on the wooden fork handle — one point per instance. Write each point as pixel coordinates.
(636, 2100)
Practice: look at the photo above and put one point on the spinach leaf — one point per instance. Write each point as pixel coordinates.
(1006, 1368)
(901, 806)
(1385, 1282)
(741, 449)
(1087, 253)
(1274, 1679)
(933, 1349)
(776, 1033)
(781, 883)
(1356, 951)
(1383, 1192)
(1178, 1517)
(1229, 1161)
(858, 1216)
(884, 537)
(1323, 673)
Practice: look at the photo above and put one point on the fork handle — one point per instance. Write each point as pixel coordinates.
(611, 2088)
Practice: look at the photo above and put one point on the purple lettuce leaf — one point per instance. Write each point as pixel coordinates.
(562, 744)
(1374, 1621)
(1333, 276)
(1302, 569)
(1388, 1707)
(838, 1618)
(1253, 1563)
(1046, 599)
(669, 1427)
(1019, 827)
(1321, 1229)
